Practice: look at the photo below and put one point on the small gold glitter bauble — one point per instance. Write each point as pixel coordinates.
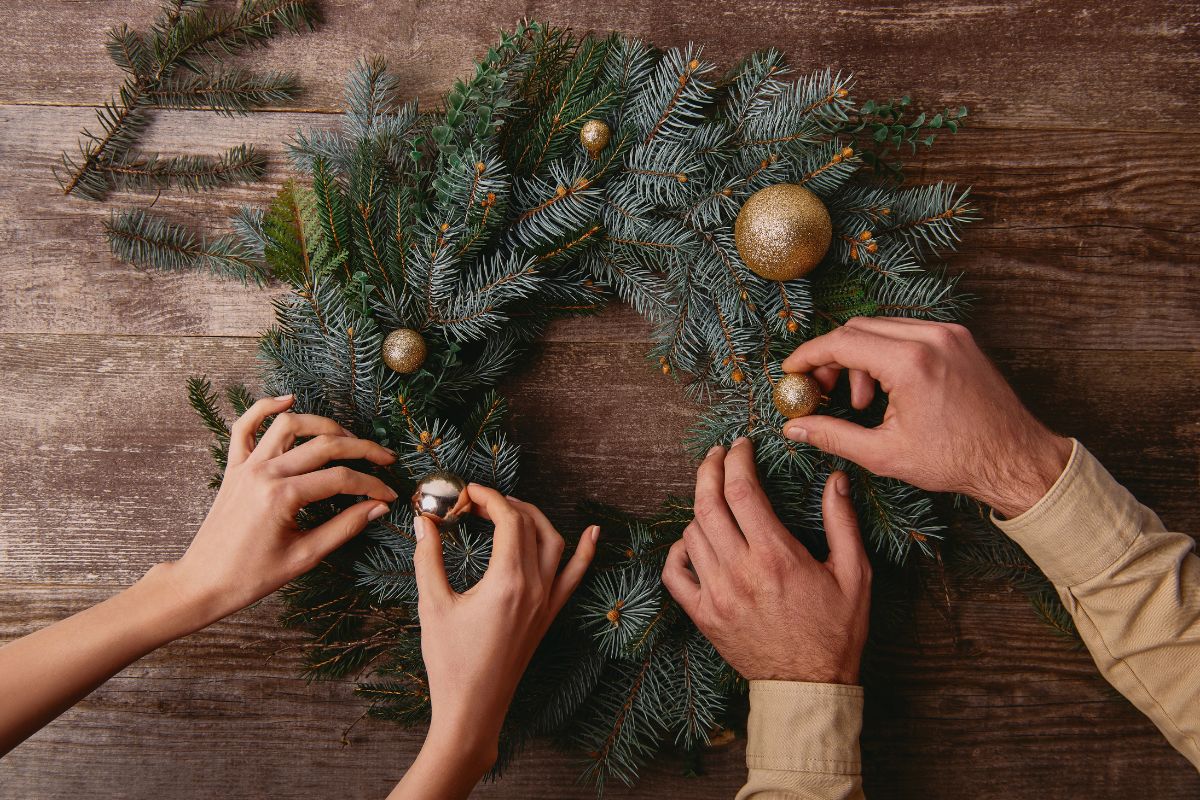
(404, 350)
(594, 136)
(797, 395)
(442, 498)
(782, 232)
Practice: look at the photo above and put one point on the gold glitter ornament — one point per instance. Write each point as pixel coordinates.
(782, 232)
(594, 136)
(797, 395)
(404, 350)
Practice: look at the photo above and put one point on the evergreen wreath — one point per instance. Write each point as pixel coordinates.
(476, 225)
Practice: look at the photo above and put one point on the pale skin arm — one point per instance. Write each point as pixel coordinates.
(477, 644)
(247, 547)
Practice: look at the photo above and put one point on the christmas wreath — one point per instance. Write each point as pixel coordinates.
(425, 250)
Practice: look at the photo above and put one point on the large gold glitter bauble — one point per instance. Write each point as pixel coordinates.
(594, 136)
(797, 395)
(782, 232)
(404, 350)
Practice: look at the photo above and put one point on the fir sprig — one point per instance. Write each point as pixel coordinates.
(177, 64)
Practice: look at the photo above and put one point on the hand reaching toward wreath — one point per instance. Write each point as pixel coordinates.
(477, 644)
(952, 423)
(250, 545)
(771, 609)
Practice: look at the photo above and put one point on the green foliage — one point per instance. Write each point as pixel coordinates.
(150, 240)
(893, 129)
(477, 225)
(177, 63)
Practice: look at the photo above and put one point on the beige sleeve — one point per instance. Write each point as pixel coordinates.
(1132, 588)
(802, 741)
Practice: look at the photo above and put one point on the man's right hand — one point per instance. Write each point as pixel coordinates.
(952, 423)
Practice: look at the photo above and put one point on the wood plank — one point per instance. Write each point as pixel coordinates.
(1029, 63)
(108, 465)
(223, 714)
(972, 696)
(1099, 253)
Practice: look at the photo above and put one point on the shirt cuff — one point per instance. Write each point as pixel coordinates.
(1082, 525)
(804, 727)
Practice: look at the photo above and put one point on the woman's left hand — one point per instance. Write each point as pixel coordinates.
(477, 644)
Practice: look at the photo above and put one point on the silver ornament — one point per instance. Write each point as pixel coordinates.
(441, 497)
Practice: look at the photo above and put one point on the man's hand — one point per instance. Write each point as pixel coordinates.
(952, 422)
(772, 610)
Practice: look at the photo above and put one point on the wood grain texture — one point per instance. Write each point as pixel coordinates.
(1098, 252)
(1027, 63)
(1082, 154)
(108, 463)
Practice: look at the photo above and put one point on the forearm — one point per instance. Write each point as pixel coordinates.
(1132, 587)
(802, 741)
(448, 767)
(46, 672)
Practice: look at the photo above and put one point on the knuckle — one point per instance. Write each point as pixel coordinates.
(920, 356)
(342, 474)
(704, 506)
(959, 332)
(286, 421)
(739, 489)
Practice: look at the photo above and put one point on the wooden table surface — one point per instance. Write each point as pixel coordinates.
(1084, 155)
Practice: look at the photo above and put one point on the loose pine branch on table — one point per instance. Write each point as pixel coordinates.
(178, 63)
(477, 225)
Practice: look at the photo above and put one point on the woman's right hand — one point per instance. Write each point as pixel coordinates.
(250, 544)
(477, 644)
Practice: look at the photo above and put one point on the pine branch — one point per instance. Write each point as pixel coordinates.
(186, 36)
(149, 240)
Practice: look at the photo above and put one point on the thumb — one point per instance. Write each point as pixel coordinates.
(847, 556)
(432, 583)
(333, 533)
(837, 436)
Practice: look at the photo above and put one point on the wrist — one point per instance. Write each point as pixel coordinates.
(468, 748)
(1025, 475)
(187, 607)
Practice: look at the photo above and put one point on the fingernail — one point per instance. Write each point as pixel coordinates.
(796, 434)
(715, 448)
(841, 485)
(283, 397)
(377, 512)
(419, 527)
(595, 533)
(739, 440)
(395, 495)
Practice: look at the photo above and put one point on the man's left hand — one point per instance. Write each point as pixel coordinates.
(773, 611)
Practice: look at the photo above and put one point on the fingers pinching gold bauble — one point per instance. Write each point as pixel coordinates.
(404, 350)
(797, 395)
(594, 136)
(782, 232)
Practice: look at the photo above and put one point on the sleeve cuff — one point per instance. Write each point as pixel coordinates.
(804, 727)
(1082, 525)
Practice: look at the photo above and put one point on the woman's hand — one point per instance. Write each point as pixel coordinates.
(250, 545)
(477, 644)
(247, 548)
